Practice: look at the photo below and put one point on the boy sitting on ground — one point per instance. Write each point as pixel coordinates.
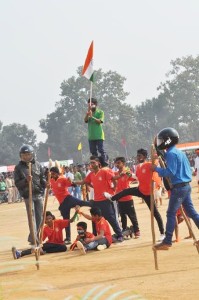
(82, 238)
(53, 231)
(103, 237)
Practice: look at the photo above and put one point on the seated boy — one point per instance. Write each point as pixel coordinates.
(82, 239)
(53, 231)
(103, 237)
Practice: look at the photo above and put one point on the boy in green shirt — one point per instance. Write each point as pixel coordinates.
(95, 117)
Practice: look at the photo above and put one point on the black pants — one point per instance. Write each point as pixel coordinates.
(65, 207)
(136, 192)
(48, 248)
(126, 208)
(108, 213)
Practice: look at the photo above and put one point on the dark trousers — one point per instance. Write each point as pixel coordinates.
(65, 207)
(108, 213)
(126, 208)
(48, 248)
(136, 192)
(97, 146)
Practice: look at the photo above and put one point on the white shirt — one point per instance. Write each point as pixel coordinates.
(70, 175)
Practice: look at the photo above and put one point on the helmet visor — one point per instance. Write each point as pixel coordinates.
(159, 141)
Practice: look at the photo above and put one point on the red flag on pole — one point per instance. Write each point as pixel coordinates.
(123, 142)
(49, 152)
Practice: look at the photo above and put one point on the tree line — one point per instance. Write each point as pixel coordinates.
(177, 105)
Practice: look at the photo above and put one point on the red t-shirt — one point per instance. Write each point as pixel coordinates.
(122, 184)
(60, 188)
(101, 182)
(143, 173)
(102, 224)
(54, 234)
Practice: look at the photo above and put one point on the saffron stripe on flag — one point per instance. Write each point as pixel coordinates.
(87, 70)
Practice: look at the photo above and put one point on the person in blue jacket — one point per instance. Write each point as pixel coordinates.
(178, 170)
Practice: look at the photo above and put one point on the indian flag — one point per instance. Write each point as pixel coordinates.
(87, 70)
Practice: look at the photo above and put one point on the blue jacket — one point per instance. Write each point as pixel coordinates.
(178, 166)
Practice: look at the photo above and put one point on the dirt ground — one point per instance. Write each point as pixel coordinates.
(124, 271)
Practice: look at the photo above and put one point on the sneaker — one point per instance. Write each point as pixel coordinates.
(101, 247)
(80, 246)
(67, 241)
(16, 254)
(108, 196)
(161, 238)
(137, 234)
(161, 246)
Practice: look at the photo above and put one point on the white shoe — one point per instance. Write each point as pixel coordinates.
(101, 247)
(108, 196)
(161, 238)
(80, 246)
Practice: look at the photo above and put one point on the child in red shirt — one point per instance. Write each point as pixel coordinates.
(83, 236)
(103, 237)
(59, 185)
(101, 180)
(143, 174)
(53, 231)
(126, 207)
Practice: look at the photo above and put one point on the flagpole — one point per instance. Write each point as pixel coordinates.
(91, 89)
(126, 152)
(81, 157)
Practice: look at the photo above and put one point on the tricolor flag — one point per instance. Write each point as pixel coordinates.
(79, 147)
(87, 70)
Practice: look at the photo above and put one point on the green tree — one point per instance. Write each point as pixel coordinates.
(181, 91)
(12, 137)
(177, 104)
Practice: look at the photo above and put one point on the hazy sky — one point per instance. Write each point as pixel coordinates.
(42, 42)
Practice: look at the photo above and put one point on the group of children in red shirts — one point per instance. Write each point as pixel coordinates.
(53, 232)
(107, 184)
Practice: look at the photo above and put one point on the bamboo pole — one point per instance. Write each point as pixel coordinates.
(44, 209)
(152, 210)
(32, 217)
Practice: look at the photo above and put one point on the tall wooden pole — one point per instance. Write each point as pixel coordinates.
(152, 209)
(32, 218)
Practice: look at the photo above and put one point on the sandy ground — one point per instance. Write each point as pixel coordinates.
(124, 271)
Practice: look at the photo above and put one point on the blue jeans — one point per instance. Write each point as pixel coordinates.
(70, 190)
(77, 192)
(91, 246)
(179, 196)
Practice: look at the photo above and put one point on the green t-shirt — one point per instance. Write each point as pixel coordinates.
(95, 130)
(77, 176)
(2, 186)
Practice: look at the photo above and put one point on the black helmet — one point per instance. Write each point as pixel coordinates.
(166, 138)
(26, 149)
